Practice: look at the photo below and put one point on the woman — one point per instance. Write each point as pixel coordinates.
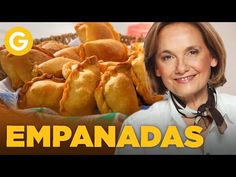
(187, 61)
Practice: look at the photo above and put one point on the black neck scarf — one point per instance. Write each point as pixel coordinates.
(206, 113)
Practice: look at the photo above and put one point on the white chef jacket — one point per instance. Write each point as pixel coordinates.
(163, 114)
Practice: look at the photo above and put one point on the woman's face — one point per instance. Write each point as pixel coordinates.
(183, 61)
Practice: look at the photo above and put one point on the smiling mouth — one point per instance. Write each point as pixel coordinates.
(184, 80)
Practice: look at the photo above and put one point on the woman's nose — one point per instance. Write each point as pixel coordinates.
(181, 67)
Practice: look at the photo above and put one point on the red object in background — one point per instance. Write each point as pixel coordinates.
(139, 29)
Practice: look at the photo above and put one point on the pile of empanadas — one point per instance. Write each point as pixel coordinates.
(101, 75)
(19, 68)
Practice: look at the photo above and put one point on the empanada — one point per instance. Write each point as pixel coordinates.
(8, 68)
(3, 53)
(90, 31)
(137, 46)
(19, 68)
(53, 66)
(78, 95)
(43, 91)
(141, 80)
(116, 92)
(68, 67)
(23, 65)
(70, 52)
(52, 46)
(105, 49)
(105, 65)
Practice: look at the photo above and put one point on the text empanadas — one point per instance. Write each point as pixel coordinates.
(105, 49)
(116, 92)
(90, 31)
(78, 95)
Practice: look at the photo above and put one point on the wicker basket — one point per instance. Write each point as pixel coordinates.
(67, 38)
(64, 38)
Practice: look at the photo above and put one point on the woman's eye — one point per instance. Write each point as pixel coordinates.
(167, 57)
(193, 52)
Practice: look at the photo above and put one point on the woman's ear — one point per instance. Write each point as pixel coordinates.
(214, 62)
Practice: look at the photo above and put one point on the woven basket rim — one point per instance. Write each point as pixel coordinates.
(68, 37)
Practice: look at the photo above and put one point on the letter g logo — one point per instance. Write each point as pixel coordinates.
(18, 41)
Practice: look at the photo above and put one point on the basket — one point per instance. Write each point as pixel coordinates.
(64, 38)
(67, 38)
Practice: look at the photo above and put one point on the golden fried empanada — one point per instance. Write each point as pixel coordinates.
(23, 65)
(68, 67)
(137, 46)
(47, 52)
(105, 49)
(19, 68)
(3, 53)
(78, 95)
(53, 66)
(8, 68)
(105, 65)
(90, 31)
(70, 52)
(43, 91)
(52, 46)
(141, 80)
(116, 92)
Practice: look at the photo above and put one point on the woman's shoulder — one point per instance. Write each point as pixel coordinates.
(227, 99)
(156, 114)
(227, 104)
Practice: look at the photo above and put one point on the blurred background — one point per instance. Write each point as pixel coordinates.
(227, 31)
